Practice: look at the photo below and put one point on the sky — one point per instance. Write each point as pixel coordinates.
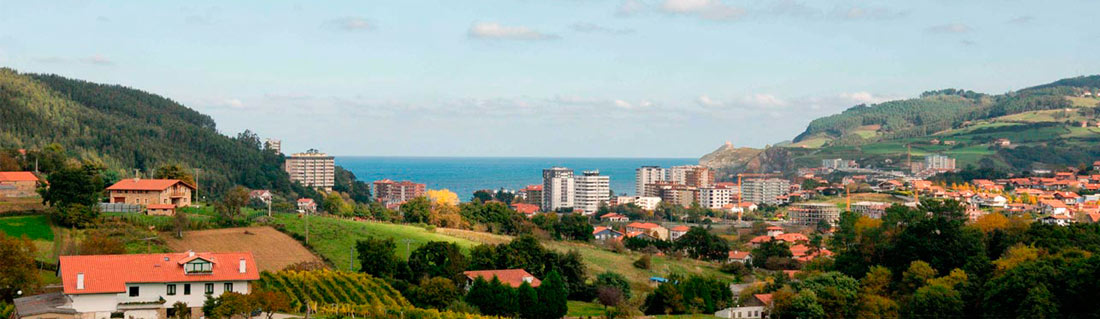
(562, 78)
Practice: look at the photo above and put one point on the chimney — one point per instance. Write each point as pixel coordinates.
(190, 253)
(243, 267)
(80, 281)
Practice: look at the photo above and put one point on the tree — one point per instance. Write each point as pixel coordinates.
(17, 268)
(435, 292)
(836, 293)
(1039, 304)
(615, 281)
(573, 227)
(805, 305)
(233, 304)
(270, 302)
(552, 295)
(609, 296)
(700, 244)
(335, 204)
(229, 209)
(417, 210)
(174, 171)
(74, 194)
(643, 262)
(181, 310)
(442, 197)
(98, 242)
(875, 307)
(916, 276)
(527, 301)
(180, 222)
(482, 196)
(480, 295)
(935, 301)
(666, 299)
(378, 257)
(770, 249)
(438, 259)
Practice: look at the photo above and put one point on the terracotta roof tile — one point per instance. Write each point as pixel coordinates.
(146, 184)
(512, 277)
(18, 177)
(111, 273)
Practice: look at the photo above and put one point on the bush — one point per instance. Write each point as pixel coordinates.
(643, 263)
(735, 268)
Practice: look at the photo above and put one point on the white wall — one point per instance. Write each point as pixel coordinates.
(152, 292)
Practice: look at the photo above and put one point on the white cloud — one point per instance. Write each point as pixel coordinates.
(98, 59)
(949, 28)
(752, 101)
(233, 103)
(352, 24)
(493, 30)
(595, 28)
(706, 9)
(629, 8)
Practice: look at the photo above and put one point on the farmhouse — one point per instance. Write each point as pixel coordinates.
(144, 192)
(511, 277)
(755, 307)
(675, 232)
(18, 184)
(605, 233)
(139, 286)
(650, 229)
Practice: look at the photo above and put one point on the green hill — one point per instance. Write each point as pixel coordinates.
(128, 129)
(1043, 125)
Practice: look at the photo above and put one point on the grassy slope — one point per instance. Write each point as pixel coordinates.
(35, 227)
(333, 238)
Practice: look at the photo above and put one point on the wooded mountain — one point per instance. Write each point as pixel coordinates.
(1050, 124)
(128, 129)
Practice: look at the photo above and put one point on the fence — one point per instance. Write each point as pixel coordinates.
(119, 208)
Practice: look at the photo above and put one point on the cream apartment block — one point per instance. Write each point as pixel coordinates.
(312, 169)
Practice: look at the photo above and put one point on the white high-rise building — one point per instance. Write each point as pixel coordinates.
(939, 163)
(764, 191)
(716, 197)
(558, 188)
(312, 169)
(648, 175)
(592, 189)
(690, 175)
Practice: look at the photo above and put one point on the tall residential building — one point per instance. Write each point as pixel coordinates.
(647, 175)
(764, 191)
(691, 175)
(391, 193)
(532, 194)
(274, 144)
(717, 196)
(592, 189)
(939, 163)
(671, 192)
(312, 169)
(558, 188)
(837, 163)
(809, 214)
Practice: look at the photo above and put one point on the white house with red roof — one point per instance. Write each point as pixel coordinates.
(614, 218)
(651, 229)
(675, 232)
(143, 286)
(307, 205)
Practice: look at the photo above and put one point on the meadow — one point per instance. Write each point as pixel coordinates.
(35, 227)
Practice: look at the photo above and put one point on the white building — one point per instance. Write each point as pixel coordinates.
(592, 189)
(764, 190)
(648, 175)
(836, 163)
(716, 197)
(645, 202)
(558, 188)
(312, 169)
(141, 286)
(939, 163)
(690, 175)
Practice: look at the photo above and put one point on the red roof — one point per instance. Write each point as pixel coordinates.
(111, 273)
(611, 215)
(680, 228)
(305, 200)
(533, 188)
(643, 225)
(764, 298)
(18, 177)
(512, 277)
(525, 208)
(733, 254)
(160, 206)
(137, 184)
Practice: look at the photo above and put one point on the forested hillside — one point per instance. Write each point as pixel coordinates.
(128, 129)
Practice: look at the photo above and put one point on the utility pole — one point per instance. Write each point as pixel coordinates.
(408, 249)
(269, 207)
(307, 227)
(351, 257)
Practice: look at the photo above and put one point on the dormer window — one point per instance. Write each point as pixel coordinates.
(198, 266)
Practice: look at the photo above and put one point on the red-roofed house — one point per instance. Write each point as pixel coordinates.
(143, 192)
(307, 205)
(614, 218)
(511, 277)
(651, 229)
(743, 257)
(606, 233)
(146, 286)
(755, 307)
(18, 184)
(675, 232)
(526, 209)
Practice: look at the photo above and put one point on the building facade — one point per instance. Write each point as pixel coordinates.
(717, 196)
(312, 169)
(145, 192)
(691, 175)
(18, 184)
(645, 202)
(647, 175)
(558, 188)
(764, 190)
(592, 189)
(810, 214)
(143, 286)
(939, 163)
(532, 194)
(274, 145)
(390, 192)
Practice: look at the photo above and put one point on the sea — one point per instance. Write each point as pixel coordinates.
(464, 175)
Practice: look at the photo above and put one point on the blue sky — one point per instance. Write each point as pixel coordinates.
(633, 78)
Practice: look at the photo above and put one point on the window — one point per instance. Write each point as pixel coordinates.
(198, 266)
(171, 290)
(134, 291)
(186, 289)
(209, 289)
(228, 286)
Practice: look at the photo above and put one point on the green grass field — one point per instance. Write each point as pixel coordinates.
(334, 238)
(35, 227)
(1083, 101)
(584, 309)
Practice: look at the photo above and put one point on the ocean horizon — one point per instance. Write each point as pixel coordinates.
(464, 175)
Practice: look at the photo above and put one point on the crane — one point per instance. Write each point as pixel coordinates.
(741, 194)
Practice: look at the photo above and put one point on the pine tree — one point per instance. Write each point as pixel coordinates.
(527, 300)
(551, 296)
